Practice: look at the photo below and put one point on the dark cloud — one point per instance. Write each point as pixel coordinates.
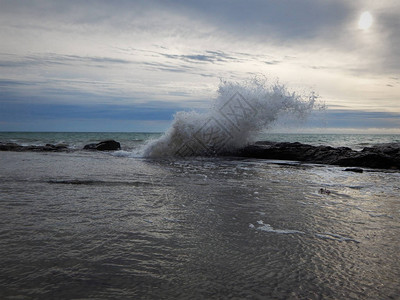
(338, 118)
(161, 111)
(149, 116)
(285, 19)
(7, 83)
(273, 62)
(388, 23)
(208, 57)
(58, 59)
(154, 66)
(282, 19)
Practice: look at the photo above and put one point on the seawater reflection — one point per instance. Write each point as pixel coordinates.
(78, 226)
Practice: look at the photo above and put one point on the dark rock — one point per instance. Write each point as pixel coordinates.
(356, 170)
(324, 191)
(386, 156)
(10, 147)
(62, 146)
(369, 160)
(108, 145)
(45, 148)
(58, 147)
(90, 147)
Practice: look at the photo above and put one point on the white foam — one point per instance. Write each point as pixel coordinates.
(326, 236)
(134, 153)
(269, 228)
(239, 113)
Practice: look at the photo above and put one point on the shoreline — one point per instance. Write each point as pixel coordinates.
(382, 156)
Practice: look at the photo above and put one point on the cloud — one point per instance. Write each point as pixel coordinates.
(7, 83)
(336, 120)
(102, 112)
(99, 117)
(207, 57)
(362, 119)
(389, 27)
(135, 52)
(14, 61)
(23, 114)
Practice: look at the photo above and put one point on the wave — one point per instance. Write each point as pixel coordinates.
(240, 111)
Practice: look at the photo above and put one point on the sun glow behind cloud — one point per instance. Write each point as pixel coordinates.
(365, 21)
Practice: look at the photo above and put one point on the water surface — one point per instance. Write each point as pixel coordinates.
(95, 226)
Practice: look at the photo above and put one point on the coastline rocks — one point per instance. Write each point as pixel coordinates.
(10, 147)
(108, 145)
(382, 156)
(385, 156)
(46, 148)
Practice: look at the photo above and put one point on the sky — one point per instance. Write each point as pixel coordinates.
(130, 65)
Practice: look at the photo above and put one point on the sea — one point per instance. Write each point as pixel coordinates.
(119, 225)
(168, 217)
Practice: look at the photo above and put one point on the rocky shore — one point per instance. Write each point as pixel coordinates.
(108, 145)
(34, 148)
(383, 156)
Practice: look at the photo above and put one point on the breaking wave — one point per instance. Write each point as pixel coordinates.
(240, 111)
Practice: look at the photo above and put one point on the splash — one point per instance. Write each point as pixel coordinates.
(239, 113)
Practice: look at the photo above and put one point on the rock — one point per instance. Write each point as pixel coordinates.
(90, 147)
(58, 147)
(324, 191)
(10, 147)
(108, 145)
(46, 148)
(356, 170)
(386, 156)
(369, 160)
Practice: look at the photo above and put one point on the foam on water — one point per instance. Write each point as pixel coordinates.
(239, 113)
(325, 236)
(135, 153)
(269, 228)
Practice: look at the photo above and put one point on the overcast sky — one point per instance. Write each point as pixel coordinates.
(130, 65)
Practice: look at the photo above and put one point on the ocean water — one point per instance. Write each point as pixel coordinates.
(77, 140)
(135, 141)
(166, 217)
(94, 225)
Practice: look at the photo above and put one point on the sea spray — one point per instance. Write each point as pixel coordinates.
(239, 113)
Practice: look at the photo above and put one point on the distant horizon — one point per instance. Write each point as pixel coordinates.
(271, 132)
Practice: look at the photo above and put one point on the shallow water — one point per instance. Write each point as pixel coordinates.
(94, 226)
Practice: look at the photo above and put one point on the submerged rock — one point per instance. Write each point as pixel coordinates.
(324, 191)
(108, 145)
(386, 156)
(356, 170)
